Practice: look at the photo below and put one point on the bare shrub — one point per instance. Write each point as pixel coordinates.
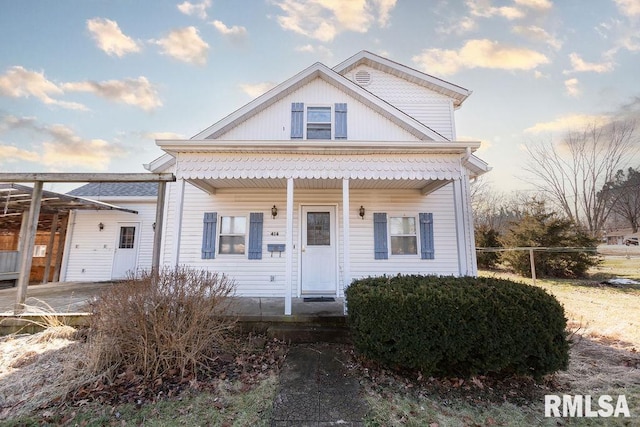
(174, 322)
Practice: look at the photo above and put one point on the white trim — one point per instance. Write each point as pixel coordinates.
(460, 228)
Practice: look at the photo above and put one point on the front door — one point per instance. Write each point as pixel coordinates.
(318, 251)
(126, 253)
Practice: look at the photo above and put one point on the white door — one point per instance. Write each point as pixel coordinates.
(318, 251)
(126, 252)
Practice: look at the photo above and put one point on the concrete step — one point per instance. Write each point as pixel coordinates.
(309, 333)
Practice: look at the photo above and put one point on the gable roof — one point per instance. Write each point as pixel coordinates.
(455, 92)
(116, 189)
(330, 76)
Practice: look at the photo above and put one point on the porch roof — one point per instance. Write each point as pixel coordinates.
(211, 165)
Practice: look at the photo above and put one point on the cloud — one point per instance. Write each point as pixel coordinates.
(162, 135)
(324, 19)
(541, 5)
(19, 82)
(195, 9)
(579, 65)
(535, 33)
(630, 8)
(568, 122)
(62, 148)
(136, 92)
(185, 44)
(234, 33)
(9, 153)
(110, 38)
(484, 9)
(256, 89)
(571, 86)
(479, 54)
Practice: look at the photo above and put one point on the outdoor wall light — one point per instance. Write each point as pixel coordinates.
(274, 212)
(361, 211)
(153, 226)
(101, 226)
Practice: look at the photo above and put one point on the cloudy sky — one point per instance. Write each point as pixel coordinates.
(88, 85)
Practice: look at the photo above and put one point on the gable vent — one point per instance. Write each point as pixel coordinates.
(362, 77)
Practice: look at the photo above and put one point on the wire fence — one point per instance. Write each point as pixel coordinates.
(533, 249)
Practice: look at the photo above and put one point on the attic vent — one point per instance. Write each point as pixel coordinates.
(362, 77)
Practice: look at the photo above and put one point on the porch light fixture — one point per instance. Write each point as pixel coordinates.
(274, 212)
(361, 212)
(101, 226)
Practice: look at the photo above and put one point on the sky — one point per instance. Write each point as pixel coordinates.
(88, 85)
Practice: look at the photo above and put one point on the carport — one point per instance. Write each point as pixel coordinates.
(27, 209)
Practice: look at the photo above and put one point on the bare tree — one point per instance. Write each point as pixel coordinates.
(572, 173)
(623, 194)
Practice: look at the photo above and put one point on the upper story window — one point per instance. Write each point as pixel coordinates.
(318, 122)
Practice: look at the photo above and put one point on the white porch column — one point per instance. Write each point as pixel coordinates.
(177, 227)
(288, 282)
(346, 250)
(464, 227)
(460, 229)
(157, 232)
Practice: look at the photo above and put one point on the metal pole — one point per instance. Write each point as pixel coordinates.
(533, 265)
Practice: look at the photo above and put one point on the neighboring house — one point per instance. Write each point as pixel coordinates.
(335, 174)
(620, 236)
(106, 245)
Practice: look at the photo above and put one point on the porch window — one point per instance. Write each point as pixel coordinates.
(233, 230)
(404, 240)
(318, 122)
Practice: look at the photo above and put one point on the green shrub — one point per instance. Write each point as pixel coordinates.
(446, 326)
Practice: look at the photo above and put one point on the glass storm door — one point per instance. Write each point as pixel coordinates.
(318, 251)
(126, 252)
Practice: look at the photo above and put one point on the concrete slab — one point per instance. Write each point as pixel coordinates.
(315, 389)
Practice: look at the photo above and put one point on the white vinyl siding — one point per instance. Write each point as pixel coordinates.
(428, 107)
(89, 252)
(274, 122)
(253, 277)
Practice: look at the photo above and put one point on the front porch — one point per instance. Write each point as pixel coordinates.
(310, 321)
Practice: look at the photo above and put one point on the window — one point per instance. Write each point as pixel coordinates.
(39, 251)
(233, 231)
(127, 237)
(403, 236)
(318, 229)
(318, 122)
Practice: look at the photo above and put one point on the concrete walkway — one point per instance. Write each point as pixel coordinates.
(316, 389)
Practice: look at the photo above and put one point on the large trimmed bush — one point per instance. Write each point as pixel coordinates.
(446, 326)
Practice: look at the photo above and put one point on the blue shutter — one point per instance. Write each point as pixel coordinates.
(341, 121)
(209, 235)
(297, 120)
(255, 235)
(426, 236)
(380, 236)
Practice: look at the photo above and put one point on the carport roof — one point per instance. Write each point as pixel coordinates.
(16, 199)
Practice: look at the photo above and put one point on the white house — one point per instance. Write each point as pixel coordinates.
(335, 174)
(106, 245)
